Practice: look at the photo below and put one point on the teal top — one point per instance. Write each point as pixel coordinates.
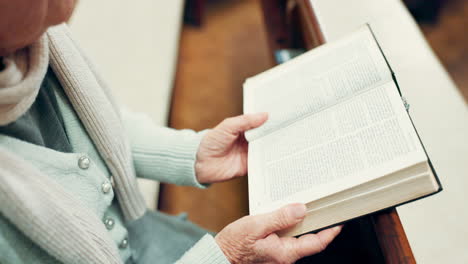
(42, 124)
(59, 200)
(82, 172)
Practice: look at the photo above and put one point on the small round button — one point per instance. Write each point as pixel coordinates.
(109, 223)
(106, 187)
(123, 244)
(84, 162)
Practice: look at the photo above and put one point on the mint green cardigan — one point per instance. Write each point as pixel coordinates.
(52, 206)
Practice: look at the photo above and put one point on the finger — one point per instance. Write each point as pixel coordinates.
(311, 244)
(242, 123)
(280, 219)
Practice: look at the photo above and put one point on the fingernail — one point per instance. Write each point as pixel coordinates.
(338, 228)
(298, 211)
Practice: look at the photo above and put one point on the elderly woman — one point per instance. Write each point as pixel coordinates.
(69, 159)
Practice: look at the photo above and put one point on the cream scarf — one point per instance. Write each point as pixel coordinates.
(21, 79)
(39, 207)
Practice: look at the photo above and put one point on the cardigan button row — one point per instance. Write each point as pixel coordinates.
(109, 222)
(84, 163)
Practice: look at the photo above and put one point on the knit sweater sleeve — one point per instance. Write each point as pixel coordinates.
(161, 153)
(205, 251)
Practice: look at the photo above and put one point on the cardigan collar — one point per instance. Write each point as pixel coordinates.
(94, 106)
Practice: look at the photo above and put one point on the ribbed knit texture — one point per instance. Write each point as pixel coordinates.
(50, 216)
(21, 79)
(54, 219)
(82, 89)
(42, 124)
(163, 160)
(211, 253)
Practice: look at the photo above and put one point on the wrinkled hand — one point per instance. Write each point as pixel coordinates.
(252, 239)
(222, 154)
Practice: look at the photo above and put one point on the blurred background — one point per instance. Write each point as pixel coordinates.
(184, 62)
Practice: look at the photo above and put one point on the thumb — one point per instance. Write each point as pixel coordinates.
(242, 123)
(280, 219)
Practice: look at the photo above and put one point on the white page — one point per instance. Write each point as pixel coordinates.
(335, 120)
(358, 140)
(314, 81)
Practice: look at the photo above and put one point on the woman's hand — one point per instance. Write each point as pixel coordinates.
(222, 154)
(252, 239)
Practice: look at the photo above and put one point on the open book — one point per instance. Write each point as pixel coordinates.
(338, 139)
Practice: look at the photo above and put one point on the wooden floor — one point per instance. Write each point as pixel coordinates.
(214, 61)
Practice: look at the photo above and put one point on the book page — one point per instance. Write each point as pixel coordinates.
(360, 139)
(315, 81)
